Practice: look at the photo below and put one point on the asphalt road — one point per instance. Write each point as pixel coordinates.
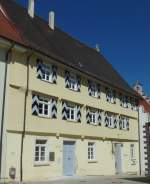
(99, 180)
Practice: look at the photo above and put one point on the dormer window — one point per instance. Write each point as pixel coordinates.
(110, 95)
(72, 81)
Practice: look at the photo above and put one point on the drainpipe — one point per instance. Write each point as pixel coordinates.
(139, 135)
(24, 120)
(3, 105)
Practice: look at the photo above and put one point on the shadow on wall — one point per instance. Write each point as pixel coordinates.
(138, 179)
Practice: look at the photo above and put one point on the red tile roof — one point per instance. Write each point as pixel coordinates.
(9, 31)
(145, 104)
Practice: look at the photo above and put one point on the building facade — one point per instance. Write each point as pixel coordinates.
(61, 116)
(144, 123)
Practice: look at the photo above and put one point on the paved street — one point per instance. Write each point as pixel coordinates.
(100, 180)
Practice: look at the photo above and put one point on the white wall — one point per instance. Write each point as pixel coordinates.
(2, 76)
(143, 119)
(2, 79)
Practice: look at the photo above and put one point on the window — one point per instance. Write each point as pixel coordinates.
(110, 96)
(71, 113)
(93, 117)
(132, 151)
(124, 123)
(73, 82)
(134, 104)
(110, 120)
(94, 90)
(44, 107)
(91, 151)
(125, 101)
(40, 151)
(46, 73)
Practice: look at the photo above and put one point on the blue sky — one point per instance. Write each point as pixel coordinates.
(120, 27)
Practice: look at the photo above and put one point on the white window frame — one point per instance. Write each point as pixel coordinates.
(91, 151)
(42, 100)
(93, 117)
(70, 109)
(110, 96)
(110, 120)
(40, 146)
(133, 105)
(124, 102)
(94, 90)
(124, 123)
(73, 83)
(132, 152)
(45, 70)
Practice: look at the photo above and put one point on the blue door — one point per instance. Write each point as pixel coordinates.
(69, 158)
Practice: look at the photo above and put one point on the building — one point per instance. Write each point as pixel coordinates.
(64, 109)
(144, 124)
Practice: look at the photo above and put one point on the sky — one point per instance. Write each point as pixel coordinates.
(120, 27)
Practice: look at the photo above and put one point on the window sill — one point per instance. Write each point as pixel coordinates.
(133, 161)
(46, 117)
(112, 102)
(41, 164)
(123, 129)
(125, 107)
(47, 81)
(72, 121)
(75, 90)
(93, 124)
(95, 97)
(92, 161)
(111, 127)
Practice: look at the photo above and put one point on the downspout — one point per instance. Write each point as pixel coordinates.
(139, 135)
(3, 105)
(24, 120)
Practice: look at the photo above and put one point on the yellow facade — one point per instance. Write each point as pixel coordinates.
(58, 130)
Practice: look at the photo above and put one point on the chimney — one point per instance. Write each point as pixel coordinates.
(52, 20)
(31, 8)
(97, 48)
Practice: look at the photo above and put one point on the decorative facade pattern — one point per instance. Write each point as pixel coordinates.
(35, 106)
